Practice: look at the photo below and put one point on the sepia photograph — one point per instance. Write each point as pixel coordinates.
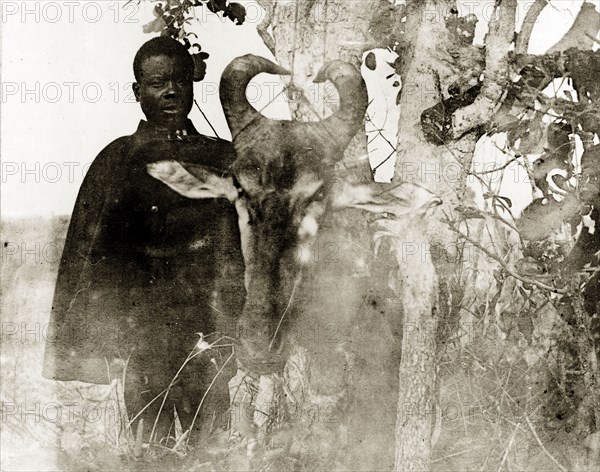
(300, 235)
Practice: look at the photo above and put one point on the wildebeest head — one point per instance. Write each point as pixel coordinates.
(282, 182)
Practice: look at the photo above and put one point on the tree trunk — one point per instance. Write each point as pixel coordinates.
(416, 412)
(427, 73)
(305, 35)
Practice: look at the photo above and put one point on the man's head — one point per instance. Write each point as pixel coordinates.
(164, 72)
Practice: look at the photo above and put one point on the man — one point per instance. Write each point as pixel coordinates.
(144, 269)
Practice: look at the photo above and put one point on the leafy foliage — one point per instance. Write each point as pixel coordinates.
(174, 16)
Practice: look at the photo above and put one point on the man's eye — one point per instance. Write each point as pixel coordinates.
(157, 84)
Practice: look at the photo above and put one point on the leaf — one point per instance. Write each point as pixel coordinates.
(513, 131)
(170, 31)
(155, 26)
(539, 220)
(506, 123)
(216, 6)
(469, 212)
(569, 95)
(528, 266)
(178, 427)
(235, 12)
(531, 137)
(558, 137)
(199, 65)
(158, 10)
(505, 199)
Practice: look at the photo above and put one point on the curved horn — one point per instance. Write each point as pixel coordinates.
(232, 89)
(348, 119)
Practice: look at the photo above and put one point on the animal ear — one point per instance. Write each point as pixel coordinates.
(193, 181)
(400, 199)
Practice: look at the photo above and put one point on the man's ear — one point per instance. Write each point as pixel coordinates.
(193, 181)
(136, 91)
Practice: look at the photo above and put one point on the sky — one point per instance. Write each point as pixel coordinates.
(66, 86)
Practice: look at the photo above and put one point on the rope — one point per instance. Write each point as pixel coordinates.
(207, 120)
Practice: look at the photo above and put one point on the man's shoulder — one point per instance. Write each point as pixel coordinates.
(117, 146)
(108, 160)
(114, 152)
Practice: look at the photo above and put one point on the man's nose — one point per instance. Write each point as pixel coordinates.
(172, 89)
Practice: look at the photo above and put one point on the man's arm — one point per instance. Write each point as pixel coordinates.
(78, 256)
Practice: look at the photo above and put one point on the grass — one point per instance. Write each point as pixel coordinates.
(504, 403)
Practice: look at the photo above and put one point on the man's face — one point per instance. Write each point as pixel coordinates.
(165, 91)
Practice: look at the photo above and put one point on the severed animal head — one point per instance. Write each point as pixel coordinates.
(282, 183)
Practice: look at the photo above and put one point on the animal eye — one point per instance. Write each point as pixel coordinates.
(320, 194)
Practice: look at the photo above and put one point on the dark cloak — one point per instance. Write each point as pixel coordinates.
(143, 270)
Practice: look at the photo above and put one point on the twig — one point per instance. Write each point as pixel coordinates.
(592, 38)
(137, 448)
(146, 406)
(539, 441)
(384, 161)
(496, 169)
(286, 310)
(529, 22)
(459, 453)
(508, 447)
(190, 356)
(504, 265)
(370, 120)
(168, 449)
(204, 396)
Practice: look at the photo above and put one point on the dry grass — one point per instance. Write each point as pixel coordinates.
(500, 400)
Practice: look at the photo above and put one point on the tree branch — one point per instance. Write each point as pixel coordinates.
(506, 267)
(498, 41)
(527, 28)
(586, 24)
(539, 441)
(262, 28)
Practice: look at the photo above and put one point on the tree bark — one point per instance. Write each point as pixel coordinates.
(416, 412)
(427, 72)
(305, 35)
